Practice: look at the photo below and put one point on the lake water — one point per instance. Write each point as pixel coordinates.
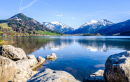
(78, 55)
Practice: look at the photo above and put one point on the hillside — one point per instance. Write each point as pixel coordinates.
(121, 27)
(25, 25)
(59, 27)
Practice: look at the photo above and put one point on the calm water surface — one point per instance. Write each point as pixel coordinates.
(78, 55)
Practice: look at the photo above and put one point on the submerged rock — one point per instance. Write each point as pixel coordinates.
(95, 77)
(11, 52)
(117, 68)
(7, 69)
(52, 76)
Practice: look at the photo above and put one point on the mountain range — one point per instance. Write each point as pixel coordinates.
(121, 28)
(59, 27)
(20, 23)
(92, 27)
(104, 27)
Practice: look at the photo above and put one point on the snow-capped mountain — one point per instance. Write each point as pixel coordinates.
(59, 27)
(93, 26)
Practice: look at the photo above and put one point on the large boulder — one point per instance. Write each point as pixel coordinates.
(25, 68)
(53, 76)
(117, 68)
(11, 52)
(7, 69)
(95, 77)
(23, 71)
(19, 70)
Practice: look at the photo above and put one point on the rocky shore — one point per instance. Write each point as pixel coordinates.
(15, 66)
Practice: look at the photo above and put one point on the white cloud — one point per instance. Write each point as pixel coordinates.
(27, 6)
(59, 15)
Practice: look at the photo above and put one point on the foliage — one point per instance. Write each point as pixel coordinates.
(4, 27)
(88, 35)
(1, 40)
(47, 33)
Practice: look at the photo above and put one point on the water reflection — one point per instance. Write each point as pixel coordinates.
(104, 44)
(78, 55)
(31, 44)
(58, 44)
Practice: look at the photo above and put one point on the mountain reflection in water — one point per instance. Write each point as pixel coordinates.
(78, 55)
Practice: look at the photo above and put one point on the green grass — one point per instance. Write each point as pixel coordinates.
(1, 32)
(47, 33)
(1, 40)
(5, 26)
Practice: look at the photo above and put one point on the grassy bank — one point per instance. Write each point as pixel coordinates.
(1, 40)
(47, 33)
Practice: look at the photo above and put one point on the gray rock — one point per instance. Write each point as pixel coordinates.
(31, 57)
(24, 69)
(40, 60)
(19, 70)
(7, 69)
(54, 55)
(53, 76)
(117, 68)
(95, 77)
(51, 57)
(23, 72)
(27, 62)
(11, 52)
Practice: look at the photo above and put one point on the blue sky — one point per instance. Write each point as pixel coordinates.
(71, 12)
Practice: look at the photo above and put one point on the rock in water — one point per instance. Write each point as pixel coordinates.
(117, 68)
(54, 55)
(11, 52)
(52, 76)
(51, 57)
(7, 69)
(95, 77)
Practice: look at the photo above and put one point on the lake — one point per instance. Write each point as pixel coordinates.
(78, 55)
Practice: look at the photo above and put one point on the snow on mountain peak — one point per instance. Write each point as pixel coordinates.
(55, 22)
(93, 21)
(58, 26)
(104, 22)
